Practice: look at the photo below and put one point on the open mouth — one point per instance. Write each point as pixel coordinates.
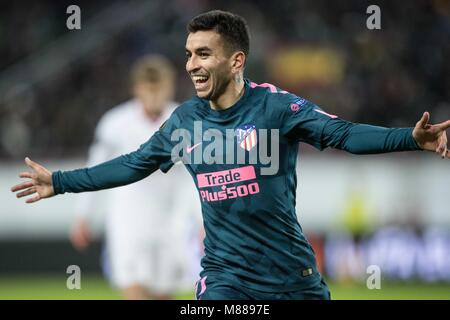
(200, 82)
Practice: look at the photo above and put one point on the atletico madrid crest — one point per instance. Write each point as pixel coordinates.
(246, 136)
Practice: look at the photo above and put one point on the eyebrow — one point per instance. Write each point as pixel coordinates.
(200, 49)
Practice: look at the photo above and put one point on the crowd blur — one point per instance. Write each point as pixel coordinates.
(320, 50)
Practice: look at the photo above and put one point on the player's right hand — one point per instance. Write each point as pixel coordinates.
(40, 182)
(80, 236)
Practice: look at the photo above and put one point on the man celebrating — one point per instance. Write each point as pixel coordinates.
(254, 245)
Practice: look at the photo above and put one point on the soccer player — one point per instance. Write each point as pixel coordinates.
(147, 230)
(254, 245)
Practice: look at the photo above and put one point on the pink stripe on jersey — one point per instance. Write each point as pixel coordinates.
(224, 177)
(272, 88)
(327, 114)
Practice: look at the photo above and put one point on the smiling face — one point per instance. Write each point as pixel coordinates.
(209, 65)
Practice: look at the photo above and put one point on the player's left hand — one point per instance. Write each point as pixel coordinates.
(432, 137)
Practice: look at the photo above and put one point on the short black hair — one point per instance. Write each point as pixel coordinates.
(232, 27)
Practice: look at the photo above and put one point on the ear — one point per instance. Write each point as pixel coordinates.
(237, 61)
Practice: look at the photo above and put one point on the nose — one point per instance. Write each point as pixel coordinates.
(192, 64)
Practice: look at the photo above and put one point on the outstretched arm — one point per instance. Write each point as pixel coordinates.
(367, 139)
(117, 172)
(153, 155)
(110, 174)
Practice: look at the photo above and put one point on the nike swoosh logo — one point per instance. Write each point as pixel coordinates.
(189, 149)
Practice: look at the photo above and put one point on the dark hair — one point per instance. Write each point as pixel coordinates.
(232, 27)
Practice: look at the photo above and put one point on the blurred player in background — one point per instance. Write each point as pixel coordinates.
(147, 230)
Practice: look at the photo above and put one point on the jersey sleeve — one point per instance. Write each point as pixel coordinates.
(154, 154)
(303, 121)
(360, 138)
(300, 120)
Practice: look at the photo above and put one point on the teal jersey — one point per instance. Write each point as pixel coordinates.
(243, 161)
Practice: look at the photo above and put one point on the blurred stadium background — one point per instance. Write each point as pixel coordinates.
(386, 210)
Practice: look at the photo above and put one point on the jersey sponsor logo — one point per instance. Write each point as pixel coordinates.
(189, 149)
(223, 179)
(301, 101)
(247, 137)
(219, 178)
(230, 192)
(296, 106)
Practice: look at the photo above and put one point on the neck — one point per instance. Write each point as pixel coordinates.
(232, 94)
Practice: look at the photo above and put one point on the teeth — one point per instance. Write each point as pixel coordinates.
(200, 78)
